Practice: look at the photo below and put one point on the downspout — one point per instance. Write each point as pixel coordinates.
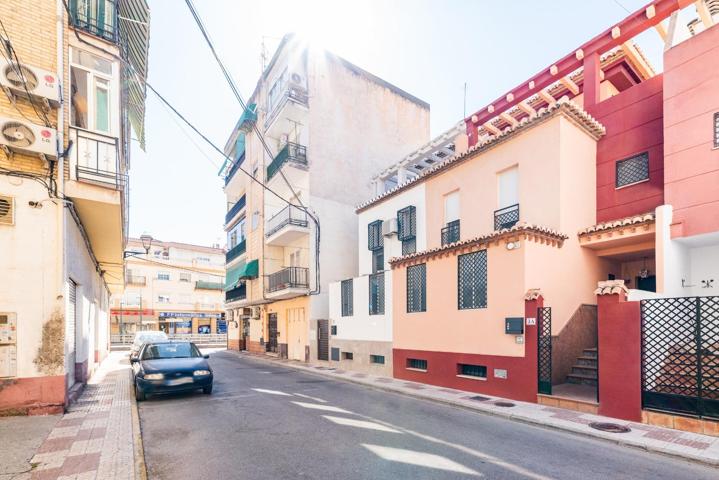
(61, 260)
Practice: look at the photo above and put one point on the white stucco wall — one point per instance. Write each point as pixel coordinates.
(361, 325)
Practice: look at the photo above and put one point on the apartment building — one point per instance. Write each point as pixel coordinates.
(290, 221)
(68, 107)
(170, 286)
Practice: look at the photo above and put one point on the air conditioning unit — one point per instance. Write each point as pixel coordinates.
(38, 82)
(389, 227)
(297, 80)
(23, 136)
(7, 210)
(246, 312)
(255, 312)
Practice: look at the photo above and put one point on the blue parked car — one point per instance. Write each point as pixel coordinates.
(166, 367)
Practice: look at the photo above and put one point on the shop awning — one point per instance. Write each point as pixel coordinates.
(250, 270)
(232, 277)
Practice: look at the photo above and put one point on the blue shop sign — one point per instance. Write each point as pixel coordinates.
(189, 315)
(221, 326)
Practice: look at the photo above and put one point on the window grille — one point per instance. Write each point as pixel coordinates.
(375, 240)
(633, 170)
(377, 260)
(450, 233)
(376, 294)
(376, 359)
(347, 300)
(409, 246)
(417, 288)
(407, 223)
(472, 282)
(479, 371)
(417, 363)
(716, 130)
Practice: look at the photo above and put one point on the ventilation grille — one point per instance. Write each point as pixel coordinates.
(7, 210)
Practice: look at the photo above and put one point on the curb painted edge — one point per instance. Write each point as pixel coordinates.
(509, 416)
(140, 466)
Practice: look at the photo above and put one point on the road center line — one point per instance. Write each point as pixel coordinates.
(272, 392)
(311, 398)
(351, 422)
(327, 408)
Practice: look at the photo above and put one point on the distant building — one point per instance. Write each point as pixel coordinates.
(329, 125)
(72, 94)
(175, 288)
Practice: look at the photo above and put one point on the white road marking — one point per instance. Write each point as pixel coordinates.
(422, 459)
(350, 422)
(327, 408)
(311, 398)
(272, 392)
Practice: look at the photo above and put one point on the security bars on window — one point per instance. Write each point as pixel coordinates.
(633, 170)
(375, 240)
(409, 246)
(376, 294)
(377, 260)
(347, 302)
(472, 281)
(450, 233)
(417, 288)
(407, 223)
(716, 130)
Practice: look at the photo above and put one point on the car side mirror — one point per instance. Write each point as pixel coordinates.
(205, 356)
(134, 359)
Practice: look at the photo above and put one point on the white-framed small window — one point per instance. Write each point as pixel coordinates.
(163, 276)
(186, 277)
(93, 92)
(451, 207)
(508, 187)
(255, 220)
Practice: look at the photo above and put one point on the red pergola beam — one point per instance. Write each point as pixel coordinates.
(630, 27)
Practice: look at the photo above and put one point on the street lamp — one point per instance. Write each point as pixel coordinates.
(146, 239)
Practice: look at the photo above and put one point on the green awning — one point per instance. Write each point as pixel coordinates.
(232, 277)
(250, 270)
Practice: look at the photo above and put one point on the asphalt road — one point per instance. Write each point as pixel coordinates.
(266, 421)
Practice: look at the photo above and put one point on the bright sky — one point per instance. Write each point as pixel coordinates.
(429, 48)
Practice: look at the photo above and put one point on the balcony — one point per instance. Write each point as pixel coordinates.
(236, 251)
(288, 110)
(286, 226)
(236, 208)
(235, 167)
(248, 119)
(203, 285)
(135, 280)
(287, 283)
(506, 217)
(292, 153)
(236, 294)
(450, 233)
(96, 17)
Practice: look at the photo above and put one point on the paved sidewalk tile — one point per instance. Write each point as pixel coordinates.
(692, 446)
(94, 439)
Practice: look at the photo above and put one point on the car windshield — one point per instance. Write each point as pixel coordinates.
(146, 337)
(170, 350)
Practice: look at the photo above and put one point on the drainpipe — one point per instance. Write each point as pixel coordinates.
(61, 260)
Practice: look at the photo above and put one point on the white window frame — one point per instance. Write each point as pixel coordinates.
(91, 81)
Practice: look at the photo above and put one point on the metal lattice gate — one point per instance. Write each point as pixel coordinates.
(544, 350)
(680, 355)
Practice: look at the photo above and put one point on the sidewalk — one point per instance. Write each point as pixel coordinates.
(690, 446)
(98, 436)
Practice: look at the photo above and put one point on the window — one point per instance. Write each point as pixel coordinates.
(508, 187)
(417, 364)
(716, 130)
(417, 288)
(276, 92)
(451, 207)
(255, 220)
(472, 281)
(375, 240)
(376, 294)
(377, 260)
(335, 354)
(378, 359)
(407, 229)
(478, 371)
(163, 276)
(202, 259)
(347, 356)
(333, 330)
(186, 277)
(347, 299)
(633, 170)
(409, 246)
(163, 299)
(450, 233)
(91, 92)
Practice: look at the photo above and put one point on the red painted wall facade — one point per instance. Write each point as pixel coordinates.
(691, 98)
(620, 343)
(521, 381)
(35, 395)
(634, 123)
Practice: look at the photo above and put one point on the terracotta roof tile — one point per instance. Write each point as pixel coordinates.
(611, 287)
(622, 222)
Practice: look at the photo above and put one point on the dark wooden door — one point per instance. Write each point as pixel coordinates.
(323, 340)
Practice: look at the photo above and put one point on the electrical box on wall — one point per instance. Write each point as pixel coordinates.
(8, 349)
(514, 325)
(8, 328)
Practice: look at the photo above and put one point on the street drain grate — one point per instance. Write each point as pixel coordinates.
(479, 398)
(610, 427)
(504, 404)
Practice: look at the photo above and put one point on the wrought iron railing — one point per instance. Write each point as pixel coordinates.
(235, 168)
(290, 215)
(199, 338)
(239, 205)
(450, 233)
(96, 159)
(97, 17)
(291, 152)
(236, 251)
(237, 293)
(290, 277)
(506, 217)
(295, 93)
(203, 285)
(135, 279)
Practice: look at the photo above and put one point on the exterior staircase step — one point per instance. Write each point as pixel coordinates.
(582, 379)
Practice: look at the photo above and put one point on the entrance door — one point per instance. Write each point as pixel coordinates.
(272, 327)
(544, 350)
(71, 335)
(296, 334)
(323, 340)
(648, 284)
(245, 333)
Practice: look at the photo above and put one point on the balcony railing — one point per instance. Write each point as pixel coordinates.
(290, 215)
(290, 277)
(203, 285)
(236, 251)
(291, 152)
(506, 217)
(295, 93)
(135, 280)
(450, 233)
(96, 159)
(237, 293)
(97, 17)
(235, 209)
(235, 168)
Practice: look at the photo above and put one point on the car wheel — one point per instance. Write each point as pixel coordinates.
(139, 394)
(207, 390)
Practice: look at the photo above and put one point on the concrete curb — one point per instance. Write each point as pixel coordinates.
(140, 466)
(609, 437)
